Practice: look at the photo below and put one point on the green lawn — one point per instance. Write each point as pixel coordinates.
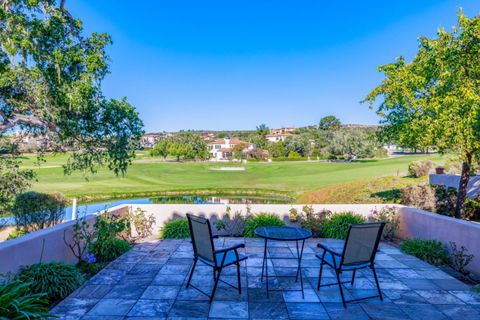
(149, 176)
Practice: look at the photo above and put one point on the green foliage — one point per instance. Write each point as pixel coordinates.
(34, 211)
(336, 226)
(13, 180)
(140, 224)
(390, 216)
(433, 100)
(107, 245)
(16, 233)
(422, 197)
(431, 251)
(420, 168)
(460, 258)
(293, 215)
(263, 219)
(55, 279)
(232, 225)
(329, 123)
(50, 86)
(175, 229)
(184, 145)
(294, 155)
(354, 143)
(18, 303)
(314, 221)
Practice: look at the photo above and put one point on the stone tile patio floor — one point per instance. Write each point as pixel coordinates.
(148, 282)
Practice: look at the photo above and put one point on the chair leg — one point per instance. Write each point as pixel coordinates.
(214, 274)
(215, 285)
(340, 287)
(353, 276)
(191, 272)
(320, 276)
(238, 279)
(376, 282)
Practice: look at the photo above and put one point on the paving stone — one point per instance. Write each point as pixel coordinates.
(433, 273)
(420, 284)
(363, 293)
(306, 310)
(151, 308)
(74, 307)
(384, 311)
(112, 307)
(260, 295)
(296, 296)
(175, 269)
(92, 291)
(189, 309)
(404, 297)
(332, 294)
(267, 310)
(450, 284)
(137, 279)
(469, 297)
(193, 294)
(102, 318)
(126, 291)
(439, 297)
(459, 312)
(404, 274)
(145, 269)
(168, 280)
(229, 309)
(422, 311)
(107, 276)
(336, 311)
(160, 292)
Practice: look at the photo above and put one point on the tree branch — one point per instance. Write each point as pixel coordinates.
(19, 118)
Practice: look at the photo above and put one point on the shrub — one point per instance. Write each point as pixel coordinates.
(293, 215)
(460, 258)
(108, 250)
(422, 197)
(431, 251)
(389, 215)
(233, 226)
(17, 302)
(16, 233)
(337, 225)
(56, 279)
(420, 168)
(142, 224)
(263, 219)
(175, 229)
(472, 208)
(33, 211)
(107, 245)
(313, 221)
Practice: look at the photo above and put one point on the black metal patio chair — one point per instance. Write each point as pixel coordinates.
(204, 251)
(358, 252)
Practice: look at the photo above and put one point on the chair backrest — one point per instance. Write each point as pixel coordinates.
(202, 240)
(361, 243)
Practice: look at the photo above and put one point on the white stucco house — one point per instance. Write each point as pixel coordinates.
(222, 149)
(277, 137)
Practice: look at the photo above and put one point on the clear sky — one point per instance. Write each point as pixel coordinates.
(236, 64)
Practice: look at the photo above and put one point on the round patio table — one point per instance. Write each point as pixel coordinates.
(283, 234)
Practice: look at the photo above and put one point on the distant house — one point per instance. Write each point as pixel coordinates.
(281, 134)
(278, 137)
(151, 139)
(222, 149)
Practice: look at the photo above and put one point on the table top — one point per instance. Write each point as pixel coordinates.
(283, 233)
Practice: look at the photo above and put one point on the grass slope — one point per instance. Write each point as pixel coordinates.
(149, 176)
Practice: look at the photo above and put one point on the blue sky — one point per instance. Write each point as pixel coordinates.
(236, 64)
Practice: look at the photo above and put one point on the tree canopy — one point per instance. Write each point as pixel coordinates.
(435, 99)
(329, 123)
(50, 86)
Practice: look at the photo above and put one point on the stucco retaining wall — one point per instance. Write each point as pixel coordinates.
(42, 246)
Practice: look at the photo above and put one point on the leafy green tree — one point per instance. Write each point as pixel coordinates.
(434, 100)
(262, 130)
(277, 149)
(329, 123)
(354, 143)
(50, 86)
(161, 148)
(300, 144)
(197, 147)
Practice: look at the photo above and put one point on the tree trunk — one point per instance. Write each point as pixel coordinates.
(462, 188)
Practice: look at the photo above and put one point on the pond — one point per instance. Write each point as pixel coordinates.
(89, 208)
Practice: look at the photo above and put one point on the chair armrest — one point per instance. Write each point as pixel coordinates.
(234, 247)
(328, 249)
(216, 236)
